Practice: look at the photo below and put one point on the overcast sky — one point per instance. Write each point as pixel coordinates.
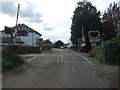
(51, 18)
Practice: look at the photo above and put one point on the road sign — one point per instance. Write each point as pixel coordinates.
(22, 32)
(94, 34)
(94, 39)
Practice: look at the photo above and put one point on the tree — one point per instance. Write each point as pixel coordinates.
(47, 41)
(58, 44)
(111, 19)
(87, 17)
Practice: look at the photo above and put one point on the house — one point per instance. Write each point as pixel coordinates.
(6, 39)
(33, 37)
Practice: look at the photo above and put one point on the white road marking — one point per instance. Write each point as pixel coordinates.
(86, 59)
(32, 58)
(60, 59)
(76, 62)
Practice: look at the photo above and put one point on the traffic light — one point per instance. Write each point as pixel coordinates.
(8, 30)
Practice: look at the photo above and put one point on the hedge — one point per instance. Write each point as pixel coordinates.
(108, 51)
(28, 49)
(10, 60)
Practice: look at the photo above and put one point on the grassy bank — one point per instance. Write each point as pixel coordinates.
(10, 60)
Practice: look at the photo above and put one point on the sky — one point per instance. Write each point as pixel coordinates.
(51, 18)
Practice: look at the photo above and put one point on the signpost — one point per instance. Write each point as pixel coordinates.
(94, 37)
(19, 31)
(94, 34)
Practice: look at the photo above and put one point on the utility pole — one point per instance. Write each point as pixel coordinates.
(80, 41)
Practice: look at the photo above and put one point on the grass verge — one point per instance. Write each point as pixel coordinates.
(11, 62)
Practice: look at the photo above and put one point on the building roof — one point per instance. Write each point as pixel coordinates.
(29, 29)
(25, 26)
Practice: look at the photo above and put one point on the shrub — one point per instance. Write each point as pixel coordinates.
(92, 52)
(108, 52)
(117, 85)
(115, 43)
(28, 49)
(10, 60)
(46, 47)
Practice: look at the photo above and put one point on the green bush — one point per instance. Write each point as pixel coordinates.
(10, 60)
(28, 49)
(108, 52)
(93, 51)
(6, 52)
(115, 40)
(116, 49)
(117, 85)
(46, 47)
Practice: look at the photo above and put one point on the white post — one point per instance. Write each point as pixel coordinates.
(16, 22)
(82, 30)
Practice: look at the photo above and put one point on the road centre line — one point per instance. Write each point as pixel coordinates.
(60, 59)
(86, 59)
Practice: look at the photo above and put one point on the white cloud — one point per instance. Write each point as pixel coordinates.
(6, 20)
(27, 11)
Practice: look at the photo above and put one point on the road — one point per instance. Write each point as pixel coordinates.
(61, 68)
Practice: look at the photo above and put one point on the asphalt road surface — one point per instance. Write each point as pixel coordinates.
(61, 68)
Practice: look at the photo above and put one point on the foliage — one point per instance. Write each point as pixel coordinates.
(117, 85)
(108, 52)
(47, 41)
(111, 23)
(10, 60)
(97, 52)
(108, 31)
(115, 40)
(46, 47)
(92, 52)
(116, 51)
(85, 17)
(58, 44)
(28, 49)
